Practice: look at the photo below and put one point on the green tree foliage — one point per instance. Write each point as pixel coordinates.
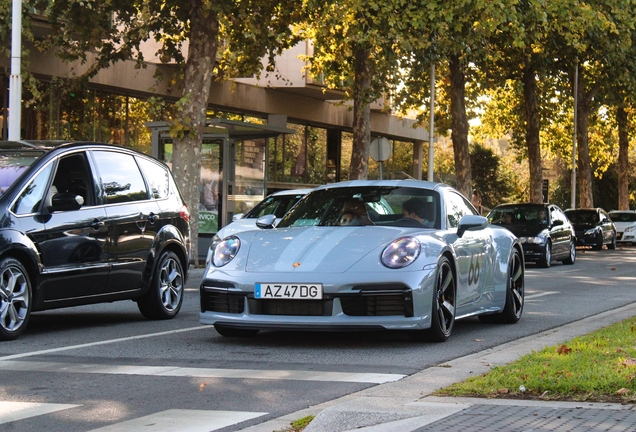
(360, 46)
(494, 187)
(224, 38)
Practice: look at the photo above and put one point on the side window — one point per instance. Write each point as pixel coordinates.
(456, 207)
(157, 177)
(120, 177)
(73, 176)
(31, 197)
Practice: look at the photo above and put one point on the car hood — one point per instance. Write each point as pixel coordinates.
(583, 225)
(526, 230)
(317, 249)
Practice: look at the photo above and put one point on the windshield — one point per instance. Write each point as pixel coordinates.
(366, 205)
(623, 216)
(519, 215)
(12, 164)
(277, 205)
(582, 216)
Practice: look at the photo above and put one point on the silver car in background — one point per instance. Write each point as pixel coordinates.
(366, 255)
(277, 204)
(625, 222)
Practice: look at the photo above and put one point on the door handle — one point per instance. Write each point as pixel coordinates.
(97, 224)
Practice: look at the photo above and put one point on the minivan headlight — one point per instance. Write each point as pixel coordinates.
(225, 251)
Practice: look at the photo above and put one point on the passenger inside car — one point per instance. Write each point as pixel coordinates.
(358, 210)
(418, 210)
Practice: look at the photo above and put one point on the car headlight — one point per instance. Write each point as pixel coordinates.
(630, 229)
(590, 231)
(533, 240)
(215, 241)
(225, 251)
(401, 252)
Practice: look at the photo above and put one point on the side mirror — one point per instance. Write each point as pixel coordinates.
(266, 222)
(66, 201)
(471, 223)
(237, 216)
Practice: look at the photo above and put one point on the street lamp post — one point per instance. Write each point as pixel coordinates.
(15, 80)
(576, 103)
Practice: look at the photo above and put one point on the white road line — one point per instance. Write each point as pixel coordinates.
(14, 411)
(528, 297)
(104, 342)
(176, 420)
(174, 371)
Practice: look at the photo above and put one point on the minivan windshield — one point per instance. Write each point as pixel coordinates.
(12, 164)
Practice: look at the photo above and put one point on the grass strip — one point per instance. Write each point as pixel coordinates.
(597, 367)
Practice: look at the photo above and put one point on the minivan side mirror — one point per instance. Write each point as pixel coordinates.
(66, 201)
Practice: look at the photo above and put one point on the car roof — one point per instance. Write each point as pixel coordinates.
(291, 192)
(378, 183)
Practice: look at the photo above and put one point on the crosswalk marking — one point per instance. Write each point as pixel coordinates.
(173, 371)
(13, 411)
(176, 420)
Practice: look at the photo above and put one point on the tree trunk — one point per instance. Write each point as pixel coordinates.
(533, 126)
(459, 125)
(584, 165)
(359, 166)
(186, 163)
(623, 159)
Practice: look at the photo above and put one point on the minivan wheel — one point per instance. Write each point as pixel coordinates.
(165, 296)
(15, 299)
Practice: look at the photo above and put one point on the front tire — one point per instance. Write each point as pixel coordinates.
(515, 293)
(599, 242)
(15, 299)
(164, 299)
(612, 244)
(443, 308)
(546, 259)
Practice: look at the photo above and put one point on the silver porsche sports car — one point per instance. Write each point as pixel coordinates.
(366, 255)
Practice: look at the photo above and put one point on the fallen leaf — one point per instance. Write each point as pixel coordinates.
(613, 268)
(563, 349)
(479, 340)
(623, 391)
(201, 386)
(502, 391)
(543, 394)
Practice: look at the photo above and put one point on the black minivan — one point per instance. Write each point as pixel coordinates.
(83, 223)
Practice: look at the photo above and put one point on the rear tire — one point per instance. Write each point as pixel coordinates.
(234, 332)
(15, 299)
(165, 297)
(572, 257)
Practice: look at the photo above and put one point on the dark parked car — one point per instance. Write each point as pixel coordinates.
(86, 223)
(593, 227)
(544, 230)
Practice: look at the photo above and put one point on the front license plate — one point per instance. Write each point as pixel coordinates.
(288, 291)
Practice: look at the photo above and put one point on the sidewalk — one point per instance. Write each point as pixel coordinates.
(406, 405)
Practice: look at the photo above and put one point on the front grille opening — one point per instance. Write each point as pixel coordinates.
(377, 305)
(222, 300)
(290, 307)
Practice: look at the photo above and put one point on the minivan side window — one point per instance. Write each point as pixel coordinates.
(120, 177)
(157, 178)
(31, 197)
